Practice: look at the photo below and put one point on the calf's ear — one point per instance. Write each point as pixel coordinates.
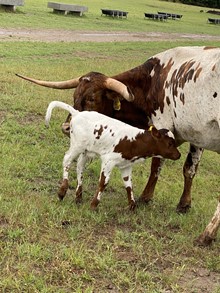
(155, 133)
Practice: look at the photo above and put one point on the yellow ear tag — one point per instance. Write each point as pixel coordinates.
(150, 128)
(117, 104)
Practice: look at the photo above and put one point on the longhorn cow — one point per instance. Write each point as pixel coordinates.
(177, 89)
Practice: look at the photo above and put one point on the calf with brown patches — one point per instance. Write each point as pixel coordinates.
(117, 144)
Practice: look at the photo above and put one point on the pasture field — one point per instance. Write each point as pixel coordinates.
(50, 246)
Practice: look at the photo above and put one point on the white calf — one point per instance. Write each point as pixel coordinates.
(117, 144)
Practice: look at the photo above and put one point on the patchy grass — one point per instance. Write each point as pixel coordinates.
(52, 246)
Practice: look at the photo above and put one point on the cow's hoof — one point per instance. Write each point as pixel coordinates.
(143, 201)
(203, 241)
(183, 209)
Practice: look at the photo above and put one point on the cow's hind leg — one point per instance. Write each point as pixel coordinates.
(189, 171)
(126, 174)
(211, 229)
(148, 192)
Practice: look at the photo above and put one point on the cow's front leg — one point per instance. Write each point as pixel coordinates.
(148, 192)
(80, 168)
(189, 170)
(210, 232)
(126, 174)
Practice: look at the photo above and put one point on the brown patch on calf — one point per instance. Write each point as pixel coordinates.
(98, 132)
(139, 147)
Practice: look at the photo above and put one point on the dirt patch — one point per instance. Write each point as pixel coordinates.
(48, 35)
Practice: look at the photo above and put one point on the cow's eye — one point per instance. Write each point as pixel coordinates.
(91, 99)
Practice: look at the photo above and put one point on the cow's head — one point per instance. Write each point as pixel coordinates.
(93, 92)
(97, 92)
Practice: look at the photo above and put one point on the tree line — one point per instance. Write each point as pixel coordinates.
(205, 3)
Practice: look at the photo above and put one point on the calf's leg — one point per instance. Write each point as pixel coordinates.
(104, 177)
(70, 155)
(126, 174)
(189, 170)
(80, 168)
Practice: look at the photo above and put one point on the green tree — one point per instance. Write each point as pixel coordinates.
(205, 3)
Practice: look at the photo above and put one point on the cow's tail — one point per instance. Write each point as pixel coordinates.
(57, 104)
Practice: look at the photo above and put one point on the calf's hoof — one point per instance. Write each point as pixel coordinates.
(180, 209)
(132, 206)
(78, 198)
(94, 204)
(63, 189)
(61, 195)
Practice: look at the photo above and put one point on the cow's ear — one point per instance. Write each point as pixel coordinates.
(155, 133)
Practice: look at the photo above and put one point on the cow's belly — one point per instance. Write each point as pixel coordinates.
(200, 130)
(208, 138)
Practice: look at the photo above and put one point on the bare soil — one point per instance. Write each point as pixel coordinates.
(49, 35)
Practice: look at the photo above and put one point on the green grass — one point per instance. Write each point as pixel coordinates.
(51, 246)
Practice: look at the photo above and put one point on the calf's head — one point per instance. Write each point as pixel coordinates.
(164, 144)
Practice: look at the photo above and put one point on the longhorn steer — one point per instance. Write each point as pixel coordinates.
(117, 144)
(179, 90)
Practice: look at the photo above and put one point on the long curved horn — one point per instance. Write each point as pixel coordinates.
(119, 87)
(68, 84)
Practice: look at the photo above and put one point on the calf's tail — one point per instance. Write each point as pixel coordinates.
(57, 104)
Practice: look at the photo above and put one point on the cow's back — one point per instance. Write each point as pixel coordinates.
(190, 102)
